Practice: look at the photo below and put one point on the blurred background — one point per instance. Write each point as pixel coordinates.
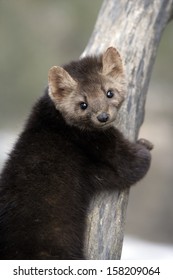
(37, 34)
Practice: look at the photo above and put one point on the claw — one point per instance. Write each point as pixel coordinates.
(146, 143)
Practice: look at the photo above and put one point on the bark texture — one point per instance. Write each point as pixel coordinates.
(135, 29)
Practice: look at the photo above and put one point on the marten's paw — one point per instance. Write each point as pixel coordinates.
(146, 143)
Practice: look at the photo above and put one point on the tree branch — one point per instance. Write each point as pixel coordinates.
(135, 29)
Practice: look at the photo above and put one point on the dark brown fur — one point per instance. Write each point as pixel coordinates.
(63, 156)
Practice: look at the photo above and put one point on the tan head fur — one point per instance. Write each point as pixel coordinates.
(89, 92)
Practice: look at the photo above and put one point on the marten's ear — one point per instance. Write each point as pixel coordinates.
(112, 63)
(60, 82)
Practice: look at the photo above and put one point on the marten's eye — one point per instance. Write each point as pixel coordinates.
(109, 94)
(83, 105)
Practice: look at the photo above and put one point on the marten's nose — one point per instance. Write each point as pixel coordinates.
(103, 117)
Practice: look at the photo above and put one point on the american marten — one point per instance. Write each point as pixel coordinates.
(68, 151)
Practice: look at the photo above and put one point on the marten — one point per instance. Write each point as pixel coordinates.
(68, 151)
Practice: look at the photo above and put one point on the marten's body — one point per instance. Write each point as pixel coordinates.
(68, 150)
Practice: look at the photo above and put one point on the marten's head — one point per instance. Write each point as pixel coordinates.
(89, 92)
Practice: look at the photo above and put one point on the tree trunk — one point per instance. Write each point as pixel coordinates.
(135, 29)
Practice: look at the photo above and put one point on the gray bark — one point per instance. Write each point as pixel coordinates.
(135, 29)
